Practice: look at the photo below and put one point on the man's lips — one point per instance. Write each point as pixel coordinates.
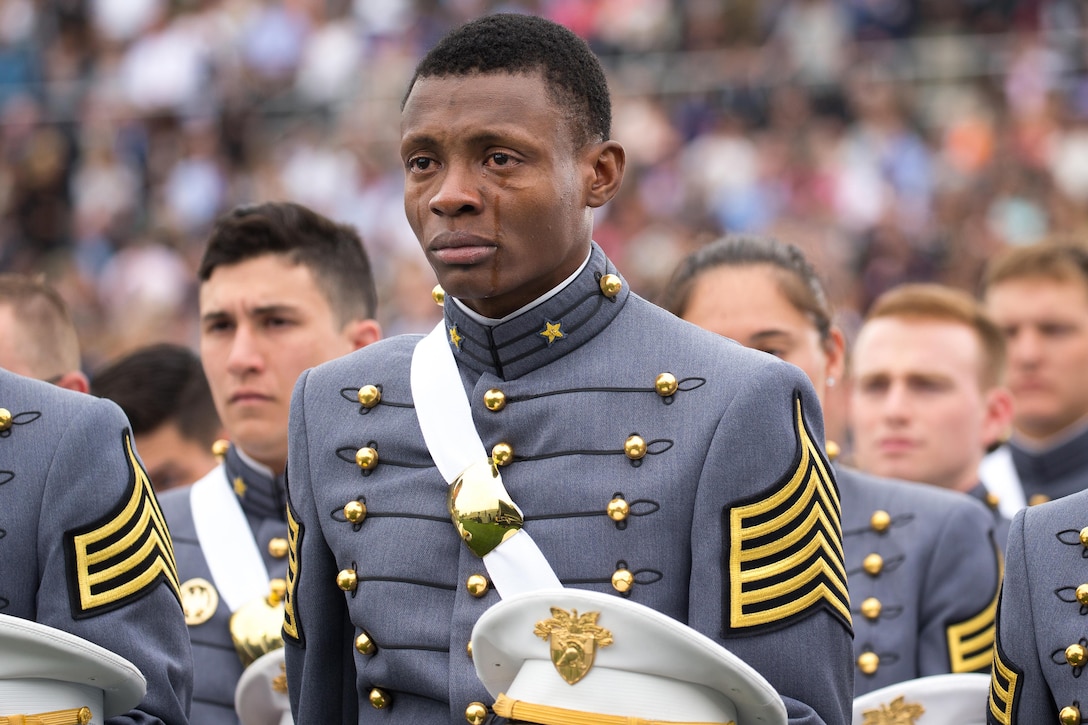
(894, 446)
(461, 249)
(249, 397)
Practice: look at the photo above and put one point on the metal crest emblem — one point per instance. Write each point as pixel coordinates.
(899, 712)
(481, 509)
(574, 640)
(199, 600)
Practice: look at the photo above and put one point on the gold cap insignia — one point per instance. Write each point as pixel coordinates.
(199, 600)
(574, 640)
(899, 712)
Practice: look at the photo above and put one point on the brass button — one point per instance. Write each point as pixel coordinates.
(364, 645)
(477, 585)
(992, 500)
(870, 608)
(438, 295)
(277, 590)
(611, 285)
(366, 458)
(833, 450)
(666, 384)
(347, 580)
(880, 521)
(1076, 655)
(355, 511)
(84, 716)
(634, 447)
(873, 564)
(378, 699)
(277, 547)
(1069, 715)
(868, 663)
(219, 448)
(618, 509)
(502, 454)
(468, 649)
(1037, 499)
(476, 713)
(369, 396)
(494, 400)
(623, 580)
(1082, 594)
(1084, 536)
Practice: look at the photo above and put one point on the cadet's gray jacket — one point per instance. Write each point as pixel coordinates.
(217, 664)
(731, 525)
(924, 573)
(71, 486)
(1042, 621)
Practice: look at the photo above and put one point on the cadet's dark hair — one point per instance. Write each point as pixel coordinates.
(333, 252)
(515, 43)
(158, 384)
(796, 276)
(50, 344)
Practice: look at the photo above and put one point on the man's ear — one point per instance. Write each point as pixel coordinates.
(997, 417)
(361, 333)
(608, 165)
(74, 380)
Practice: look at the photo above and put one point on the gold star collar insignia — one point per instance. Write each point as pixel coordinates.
(239, 487)
(455, 337)
(551, 331)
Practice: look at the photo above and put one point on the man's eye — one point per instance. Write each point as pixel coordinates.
(419, 163)
(501, 159)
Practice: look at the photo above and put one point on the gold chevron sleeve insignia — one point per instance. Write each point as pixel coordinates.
(1003, 688)
(291, 629)
(125, 554)
(785, 551)
(971, 642)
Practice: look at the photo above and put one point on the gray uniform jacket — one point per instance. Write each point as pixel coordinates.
(1042, 621)
(1055, 472)
(72, 491)
(924, 573)
(1001, 524)
(217, 664)
(729, 522)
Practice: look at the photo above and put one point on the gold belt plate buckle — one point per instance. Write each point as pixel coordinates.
(481, 509)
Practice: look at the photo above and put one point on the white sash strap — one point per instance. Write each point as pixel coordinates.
(235, 562)
(999, 476)
(445, 418)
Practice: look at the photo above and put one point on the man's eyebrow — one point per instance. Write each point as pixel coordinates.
(765, 334)
(277, 308)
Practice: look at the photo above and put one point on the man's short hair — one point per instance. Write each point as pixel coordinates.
(50, 344)
(936, 302)
(159, 384)
(525, 44)
(333, 252)
(1061, 260)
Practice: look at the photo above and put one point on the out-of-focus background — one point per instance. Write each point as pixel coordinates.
(892, 139)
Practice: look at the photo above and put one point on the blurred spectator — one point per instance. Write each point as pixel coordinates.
(163, 391)
(915, 139)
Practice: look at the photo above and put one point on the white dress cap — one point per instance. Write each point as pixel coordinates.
(959, 699)
(553, 657)
(261, 695)
(44, 669)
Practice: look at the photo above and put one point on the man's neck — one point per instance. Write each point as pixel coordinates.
(1043, 443)
(255, 464)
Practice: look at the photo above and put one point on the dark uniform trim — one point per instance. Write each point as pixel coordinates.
(123, 555)
(784, 552)
(292, 626)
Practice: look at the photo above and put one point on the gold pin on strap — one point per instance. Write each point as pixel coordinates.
(481, 509)
(75, 716)
(547, 715)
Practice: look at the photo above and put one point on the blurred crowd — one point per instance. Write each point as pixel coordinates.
(893, 140)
